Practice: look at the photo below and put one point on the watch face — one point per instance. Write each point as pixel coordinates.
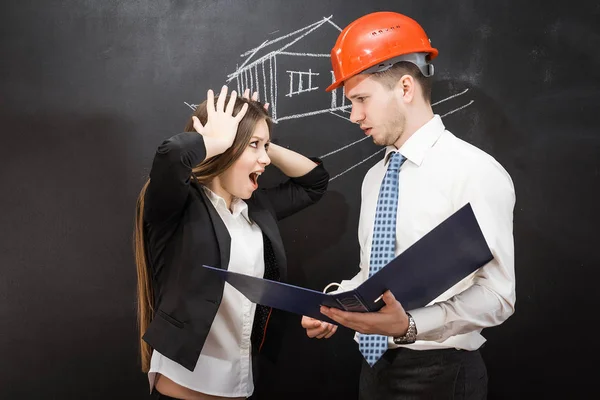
(411, 333)
(404, 340)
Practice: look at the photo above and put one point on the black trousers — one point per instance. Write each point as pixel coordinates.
(425, 374)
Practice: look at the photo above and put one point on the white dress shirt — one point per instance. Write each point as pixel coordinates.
(441, 174)
(224, 366)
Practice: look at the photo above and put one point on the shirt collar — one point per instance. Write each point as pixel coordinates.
(238, 206)
(415, 148)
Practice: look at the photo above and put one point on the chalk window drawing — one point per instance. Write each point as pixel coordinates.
(302, 81)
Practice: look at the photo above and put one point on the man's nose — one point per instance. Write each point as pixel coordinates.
(356, 115)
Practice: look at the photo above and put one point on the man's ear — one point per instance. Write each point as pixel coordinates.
(406, 88)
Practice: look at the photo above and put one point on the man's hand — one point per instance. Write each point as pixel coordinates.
(319, 329)
(391, 320)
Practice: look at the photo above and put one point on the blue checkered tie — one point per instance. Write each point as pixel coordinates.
(382, 248)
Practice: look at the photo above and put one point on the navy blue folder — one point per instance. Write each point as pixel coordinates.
(440, 259)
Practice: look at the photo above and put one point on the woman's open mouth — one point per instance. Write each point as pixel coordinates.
(254, 179)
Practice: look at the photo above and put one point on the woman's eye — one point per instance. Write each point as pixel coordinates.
(254, 144)
(267, 146)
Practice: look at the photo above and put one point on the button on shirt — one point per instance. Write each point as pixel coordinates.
(224, 366)
(442, 173)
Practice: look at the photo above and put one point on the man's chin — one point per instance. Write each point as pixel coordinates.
(384, 141)
(379, 142)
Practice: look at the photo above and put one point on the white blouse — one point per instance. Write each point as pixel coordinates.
(224, 367)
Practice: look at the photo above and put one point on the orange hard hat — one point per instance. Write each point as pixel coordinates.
(375, 42)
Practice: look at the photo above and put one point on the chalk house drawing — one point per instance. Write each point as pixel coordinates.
(270, 70)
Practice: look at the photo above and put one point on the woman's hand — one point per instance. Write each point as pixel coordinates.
(317, 329)
(254, 98)
(221, 127)
(289, 162)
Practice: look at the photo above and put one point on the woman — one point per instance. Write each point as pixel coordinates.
(202, 206)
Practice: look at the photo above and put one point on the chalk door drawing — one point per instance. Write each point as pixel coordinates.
(293, 80)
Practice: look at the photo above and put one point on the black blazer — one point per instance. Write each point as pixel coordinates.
(183, 231)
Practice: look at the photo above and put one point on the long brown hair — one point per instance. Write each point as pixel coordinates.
(203, 173)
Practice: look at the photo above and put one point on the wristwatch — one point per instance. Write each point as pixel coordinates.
(411, 333)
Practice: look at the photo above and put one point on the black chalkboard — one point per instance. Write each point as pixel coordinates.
(89, 89)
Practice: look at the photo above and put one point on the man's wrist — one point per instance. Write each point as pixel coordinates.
(411, 333)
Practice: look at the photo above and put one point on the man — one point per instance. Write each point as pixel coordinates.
(384, 62)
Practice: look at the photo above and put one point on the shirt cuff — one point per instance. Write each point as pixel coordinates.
(428, 319)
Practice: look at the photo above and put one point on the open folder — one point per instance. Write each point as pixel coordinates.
(447, 254)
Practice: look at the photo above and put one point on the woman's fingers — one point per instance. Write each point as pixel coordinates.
(221, 100)
(330, 334)
(197, 125)
(231, 103)
(242, 112)
(327, 331)
(324, 331)
(210, 102)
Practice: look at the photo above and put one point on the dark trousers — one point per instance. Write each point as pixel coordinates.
(426, 374)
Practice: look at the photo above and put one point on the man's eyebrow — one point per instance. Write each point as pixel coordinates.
(357, 95)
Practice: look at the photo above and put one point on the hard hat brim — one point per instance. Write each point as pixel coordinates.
(334, 85)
